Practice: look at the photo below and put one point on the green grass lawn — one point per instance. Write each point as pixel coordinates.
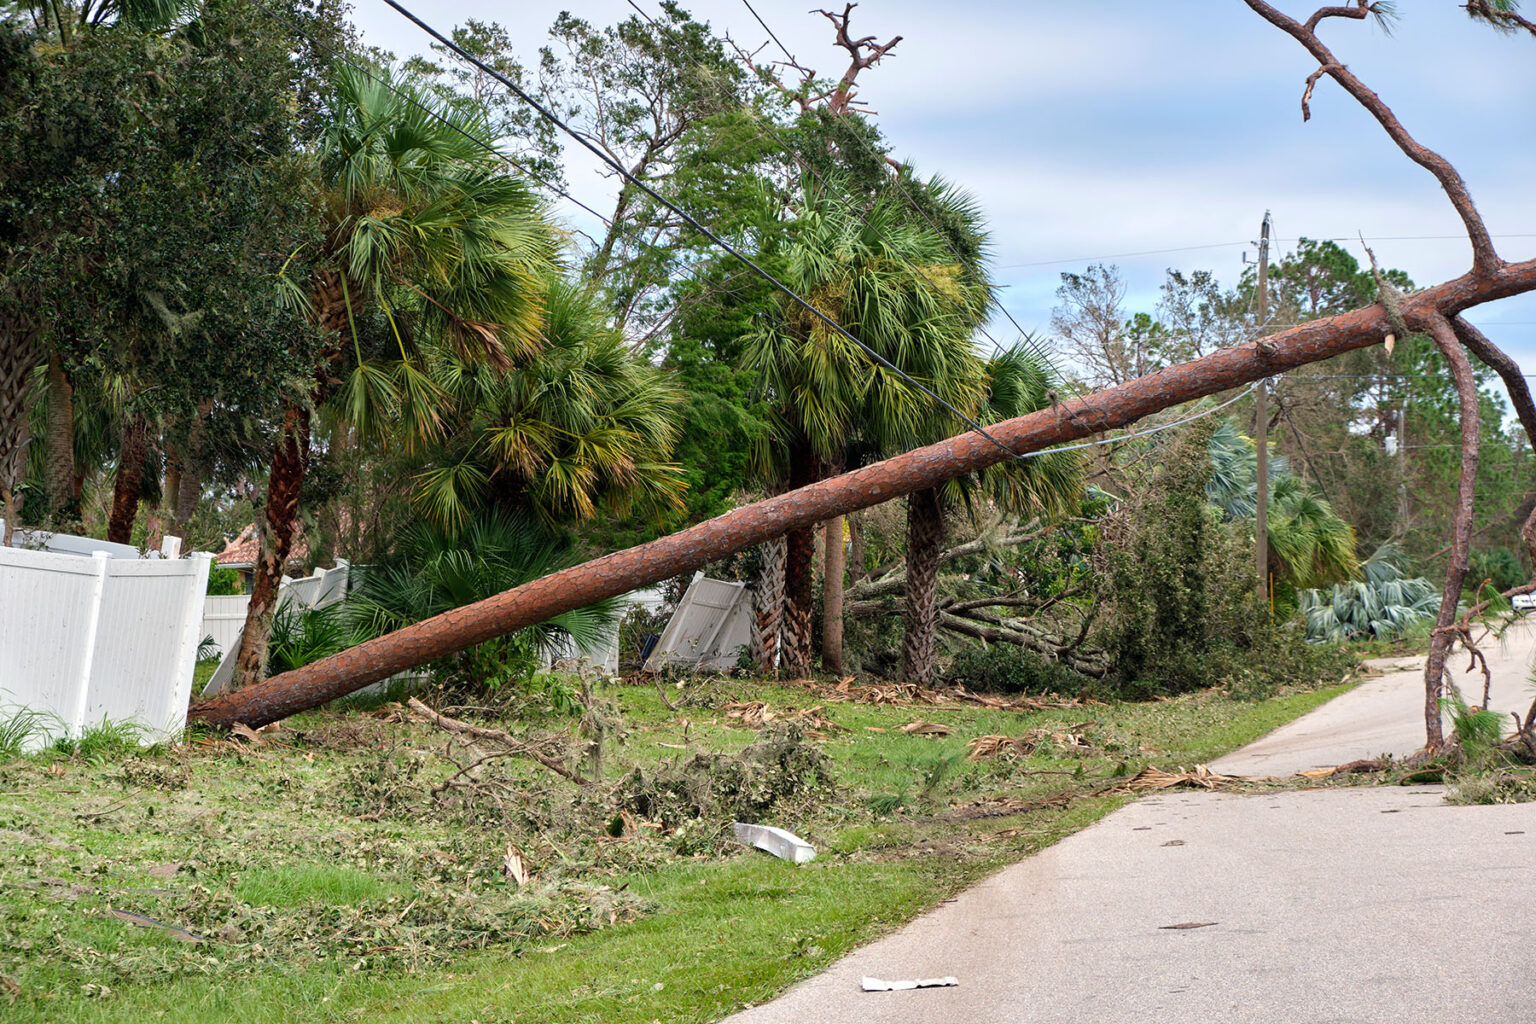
(330, 884)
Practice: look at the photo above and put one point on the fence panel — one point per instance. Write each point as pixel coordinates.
(146, 644)
(48, 606)
(223, 618)
(711, 625)
(82, 639)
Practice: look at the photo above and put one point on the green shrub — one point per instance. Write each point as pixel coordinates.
(1004, 668)
(1178, 580)
(1383, 606)
(223, 582)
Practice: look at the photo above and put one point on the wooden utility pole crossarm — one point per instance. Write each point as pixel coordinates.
(661, 559)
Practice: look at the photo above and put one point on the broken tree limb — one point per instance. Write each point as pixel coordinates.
(1461, 542)
(618, 573)
(515, 746)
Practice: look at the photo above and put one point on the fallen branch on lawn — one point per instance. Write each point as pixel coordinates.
(514, 746)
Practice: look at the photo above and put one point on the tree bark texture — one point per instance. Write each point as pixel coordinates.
(795, 651)
(920, 619)
(170, 483)
(277, 528)
(60, 475)
(768, 604)
(128, 483)
(17, 358)
(194, 460)
(832, 597)
(1461, 540)
(661, 559)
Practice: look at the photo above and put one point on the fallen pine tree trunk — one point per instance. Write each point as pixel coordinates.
(623, 571)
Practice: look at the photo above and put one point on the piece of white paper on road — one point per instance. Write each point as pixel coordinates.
(877, 985)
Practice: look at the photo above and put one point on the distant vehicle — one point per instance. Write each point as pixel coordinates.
(1523, 602)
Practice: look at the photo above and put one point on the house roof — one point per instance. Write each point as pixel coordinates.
(241, 552)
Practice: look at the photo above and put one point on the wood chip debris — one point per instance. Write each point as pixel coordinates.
(877, 985)
(922, 728)
(515, 866)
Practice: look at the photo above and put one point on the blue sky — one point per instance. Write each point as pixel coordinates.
(1089, 131)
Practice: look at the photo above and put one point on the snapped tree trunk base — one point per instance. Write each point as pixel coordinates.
(646, 564)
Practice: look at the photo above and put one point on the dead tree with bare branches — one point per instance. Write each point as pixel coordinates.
(1438, 322)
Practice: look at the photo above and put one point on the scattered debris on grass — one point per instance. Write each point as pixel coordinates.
(1150, 778)
(782, 844)
(696, 802)
(956, 698)
(1073, 739)
(756, 714)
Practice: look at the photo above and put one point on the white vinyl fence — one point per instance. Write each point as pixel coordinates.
(709, 629)
(223, 619)
(224, 615)
(69, 544)
(601, 656)
(87, 639)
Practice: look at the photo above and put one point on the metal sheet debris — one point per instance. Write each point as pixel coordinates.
(783, 845)
(877, 985)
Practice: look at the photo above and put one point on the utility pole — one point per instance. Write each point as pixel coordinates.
(1261, 431)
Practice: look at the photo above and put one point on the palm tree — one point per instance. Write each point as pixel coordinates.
(1045, 485)
(435, 569)
(420, 228)
(581, 427)
(1381, 606)
(1309, 544)
(895, 287)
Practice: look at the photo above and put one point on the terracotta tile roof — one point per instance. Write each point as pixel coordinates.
(242, 551)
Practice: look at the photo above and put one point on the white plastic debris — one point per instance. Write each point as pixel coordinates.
(877, 985)
(783, 845)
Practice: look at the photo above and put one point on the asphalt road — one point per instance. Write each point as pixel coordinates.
(1339, 905)
(1352, 905)
(1386, 715)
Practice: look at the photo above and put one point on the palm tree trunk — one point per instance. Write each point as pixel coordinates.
(925, 545)
(129, 482)
(289, 462)
(769, 605)
(63, 504)
(16, 362)
(832, 597)
(799, 560)
(170, 484)
(856, 571)
(189, 486)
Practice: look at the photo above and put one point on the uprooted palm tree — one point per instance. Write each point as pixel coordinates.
(424, 232)
(896, 287)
